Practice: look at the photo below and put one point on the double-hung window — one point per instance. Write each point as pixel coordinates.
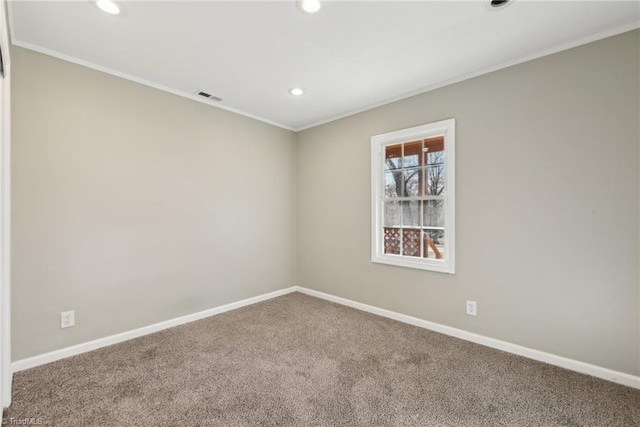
(413, 197)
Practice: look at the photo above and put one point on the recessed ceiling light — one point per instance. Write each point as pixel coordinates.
(296, 91)
(108, 6)
(309, 6)
(495, 4)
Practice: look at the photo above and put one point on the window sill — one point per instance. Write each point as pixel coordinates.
(439, 266)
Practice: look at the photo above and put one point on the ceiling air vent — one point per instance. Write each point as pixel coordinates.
(208, 96)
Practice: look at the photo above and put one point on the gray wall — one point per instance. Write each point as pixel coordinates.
(547, 206)
(132, 206)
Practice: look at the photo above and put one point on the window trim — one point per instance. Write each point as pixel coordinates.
(444, 128)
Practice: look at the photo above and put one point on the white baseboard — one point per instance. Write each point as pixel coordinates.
(52, 356)
(552, 359)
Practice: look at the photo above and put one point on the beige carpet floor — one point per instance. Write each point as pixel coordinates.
(302, 361)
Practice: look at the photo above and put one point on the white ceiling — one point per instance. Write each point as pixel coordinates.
(348, 57)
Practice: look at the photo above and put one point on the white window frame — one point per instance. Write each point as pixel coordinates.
(445, 128)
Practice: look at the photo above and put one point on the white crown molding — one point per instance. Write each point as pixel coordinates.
(545, 52)
(530, 57)
(541, 356)
(63, 353)
(135, 79)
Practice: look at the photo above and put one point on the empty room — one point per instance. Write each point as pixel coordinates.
(320, 213)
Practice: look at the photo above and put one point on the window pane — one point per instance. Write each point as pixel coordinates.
(412, 185)
(392, 214)
(411, 242)
(392, 240)
(411, 213)
(392, 157)
(412, 154)
(435, 158)
(433, 150)
(433, 244)
(393, 184)
(433, 213)
(434, 180)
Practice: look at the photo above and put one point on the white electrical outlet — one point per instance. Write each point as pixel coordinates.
(67, 319)
(472, 308)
